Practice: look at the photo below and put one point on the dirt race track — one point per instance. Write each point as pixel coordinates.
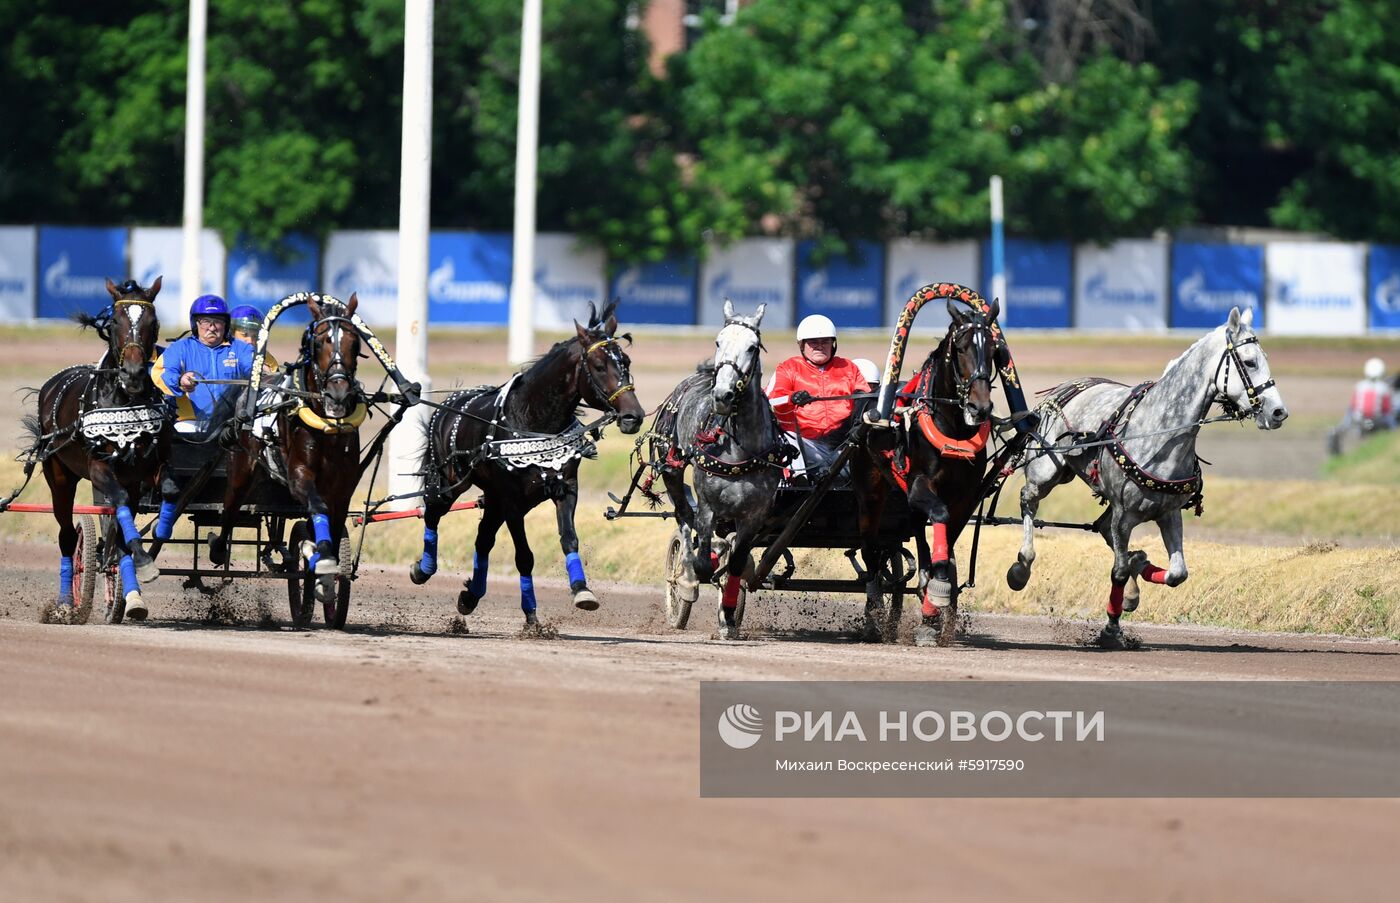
(178, 760)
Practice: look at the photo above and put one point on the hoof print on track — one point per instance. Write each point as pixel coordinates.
(541, 631)
(457, 626)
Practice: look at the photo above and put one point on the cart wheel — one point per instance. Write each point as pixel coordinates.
(335, 617)
(677, 603)
(897, 568)
(109, 553)
(85, 567)
(299, 590)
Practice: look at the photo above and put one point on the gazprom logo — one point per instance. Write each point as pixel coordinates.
(1097, 290)
(1388, 293)
(444, 286)
(1034, 295)
(1290, 296)
(632, 287)
(1195, 296)
(907, 284)
(60, 284)
(246, 284)
(722, 286)
(817, 291)
(367, 276)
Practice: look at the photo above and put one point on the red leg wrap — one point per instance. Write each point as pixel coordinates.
(731, 591)
(938, 542)
(1115, 599)
(714, 560)
(1154, 574)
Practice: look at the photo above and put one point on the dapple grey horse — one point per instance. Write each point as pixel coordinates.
(1137, 449)
(721, 423)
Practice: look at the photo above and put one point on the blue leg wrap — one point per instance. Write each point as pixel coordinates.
(165, 523)
(428, 563)
(575, 568)
(478, 584)
(527, 594)
(128, 525)
(65, 579)
(128, 569)
(311, 563)
(322, 525)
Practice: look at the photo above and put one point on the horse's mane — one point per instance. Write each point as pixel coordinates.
(1192, 347)
(100, 322)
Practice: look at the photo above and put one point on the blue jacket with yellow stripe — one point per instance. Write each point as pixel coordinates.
(232, 359)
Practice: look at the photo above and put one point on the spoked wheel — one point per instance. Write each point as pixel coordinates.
(85, 567)
(336, 605)
(109, 554)
(300, 585)
(678, 602)
(897, 568)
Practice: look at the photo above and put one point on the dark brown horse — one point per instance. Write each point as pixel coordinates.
(521, 443)
(937, 454)
(109, 425)
(316, 453)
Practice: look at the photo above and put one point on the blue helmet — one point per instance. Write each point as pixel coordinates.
(246, 318)
(209, 306)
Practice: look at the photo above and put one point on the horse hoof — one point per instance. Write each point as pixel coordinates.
(1131, 596)
(928, 632)
(217, 550)
(870, 631)
(325, 590)
(584, 599)
(135, 606)
(327, 567)
(1111, 637)
(146, 568)
(418, 575)
(1017, 576)
(531, 619)
(466, 602)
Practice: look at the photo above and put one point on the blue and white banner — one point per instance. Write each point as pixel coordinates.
(657, 292)
(74, 266)
(469, 278)
(1038, 283)
(1209, 280)
(160, 252)
(365, 264)
(1385, 286)
(846, 288)
(568, 277)
(264, 277)
(914, 264)
(1316, 288)
(1122, 286)
(750, 272)
(18, 245)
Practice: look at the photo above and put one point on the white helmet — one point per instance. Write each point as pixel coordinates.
(1375, 368)
(815, 327)
(868, 369)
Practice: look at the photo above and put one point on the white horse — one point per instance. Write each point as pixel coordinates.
(1136, 448)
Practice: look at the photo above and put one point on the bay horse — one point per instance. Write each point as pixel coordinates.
(937, 454)
(316, 452)
(1136, 449)
(719, 421)
(522, 443)
(109, 425)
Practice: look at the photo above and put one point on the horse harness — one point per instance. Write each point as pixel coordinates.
(1231, 357)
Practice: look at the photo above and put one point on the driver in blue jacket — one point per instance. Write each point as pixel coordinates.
(208, 353)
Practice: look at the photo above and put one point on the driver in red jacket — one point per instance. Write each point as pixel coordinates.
(817, 372)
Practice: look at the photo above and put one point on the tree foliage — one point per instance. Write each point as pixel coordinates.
(830, 119)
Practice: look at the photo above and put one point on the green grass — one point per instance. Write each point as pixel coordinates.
(1374, 461)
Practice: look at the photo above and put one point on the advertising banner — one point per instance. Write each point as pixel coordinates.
(568, 276)
(1316, 288)
(1122, 286)
(469, 278)
(1038, 284)
(74, 266)
(159, 251)
(18, 245)
(1209, 280)
(1385, 286)
(662, 293)
(845, 288)
(365, 264)
(914, 264)
(749, 272)
(263, 277)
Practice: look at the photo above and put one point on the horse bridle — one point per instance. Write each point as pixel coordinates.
(741, 380)
(337, 366)
(980, 330)
(133, 334)
(1231, 356)
(613, 352)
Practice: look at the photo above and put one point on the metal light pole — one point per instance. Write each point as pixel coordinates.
(522, 279)
(191, 264)
(998, 245)
(415, 171)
